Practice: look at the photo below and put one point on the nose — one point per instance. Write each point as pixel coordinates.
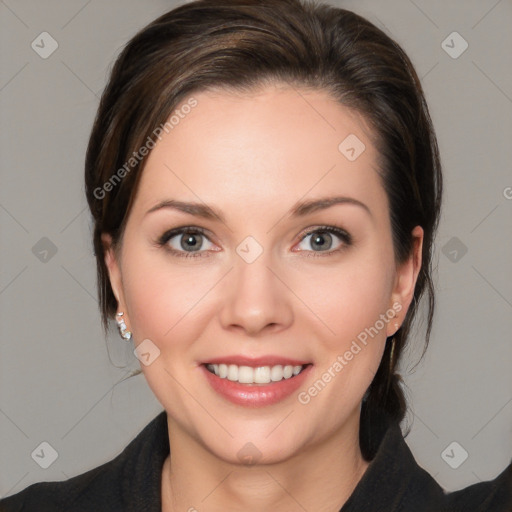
(256, 298)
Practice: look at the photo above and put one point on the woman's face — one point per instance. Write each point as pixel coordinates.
(274, 277)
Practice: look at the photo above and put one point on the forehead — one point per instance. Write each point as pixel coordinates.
(274, 146)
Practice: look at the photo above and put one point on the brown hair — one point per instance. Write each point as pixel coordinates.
(245, 44)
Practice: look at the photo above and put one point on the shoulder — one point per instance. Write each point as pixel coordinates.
(115, 485)
(490, 496)
(395, 482)
(80, 490)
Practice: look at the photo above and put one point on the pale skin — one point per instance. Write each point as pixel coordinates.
(252, 158)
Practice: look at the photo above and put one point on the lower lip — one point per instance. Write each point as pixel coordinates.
(256, 395)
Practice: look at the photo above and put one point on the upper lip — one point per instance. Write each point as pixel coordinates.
(270, 360)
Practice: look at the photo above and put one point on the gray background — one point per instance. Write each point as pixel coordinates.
(60, 380)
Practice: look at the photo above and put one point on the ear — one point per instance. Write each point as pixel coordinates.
(112, 264)
(405, 282)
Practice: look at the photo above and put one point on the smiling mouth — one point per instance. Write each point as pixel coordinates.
(255, 375)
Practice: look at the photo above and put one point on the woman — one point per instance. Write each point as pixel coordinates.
(265, 186)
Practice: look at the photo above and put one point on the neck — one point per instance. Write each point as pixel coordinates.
(319, 477)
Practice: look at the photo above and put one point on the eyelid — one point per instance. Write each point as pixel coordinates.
(342, 234)
(164, 239)
(171, 233)
(329, 229)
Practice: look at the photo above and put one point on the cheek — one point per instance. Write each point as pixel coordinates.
(163, 298)
(350, 300)
(167, 304)
(351, 337)
(348, 297)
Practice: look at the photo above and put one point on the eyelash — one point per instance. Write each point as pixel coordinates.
(189, 230)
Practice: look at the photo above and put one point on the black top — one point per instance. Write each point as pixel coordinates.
(393, 482)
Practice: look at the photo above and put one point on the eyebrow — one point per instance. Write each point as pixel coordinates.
(300, 209)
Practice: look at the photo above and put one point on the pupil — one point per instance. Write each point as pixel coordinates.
(191, 241)
(319, 241)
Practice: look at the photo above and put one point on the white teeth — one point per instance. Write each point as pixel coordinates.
(245, 375)
(287, 372)
(262, 375)
(250, 375)
(233, 372)
(276, 373)
(221, 370)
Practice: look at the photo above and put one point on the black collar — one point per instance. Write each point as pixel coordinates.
(131, 482)
(392, 482)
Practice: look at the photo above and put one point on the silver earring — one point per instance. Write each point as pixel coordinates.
(397, 325)
(121, 325)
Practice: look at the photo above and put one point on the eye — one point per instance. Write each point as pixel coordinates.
(322, 239)
(192, 242)
(184, 242)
